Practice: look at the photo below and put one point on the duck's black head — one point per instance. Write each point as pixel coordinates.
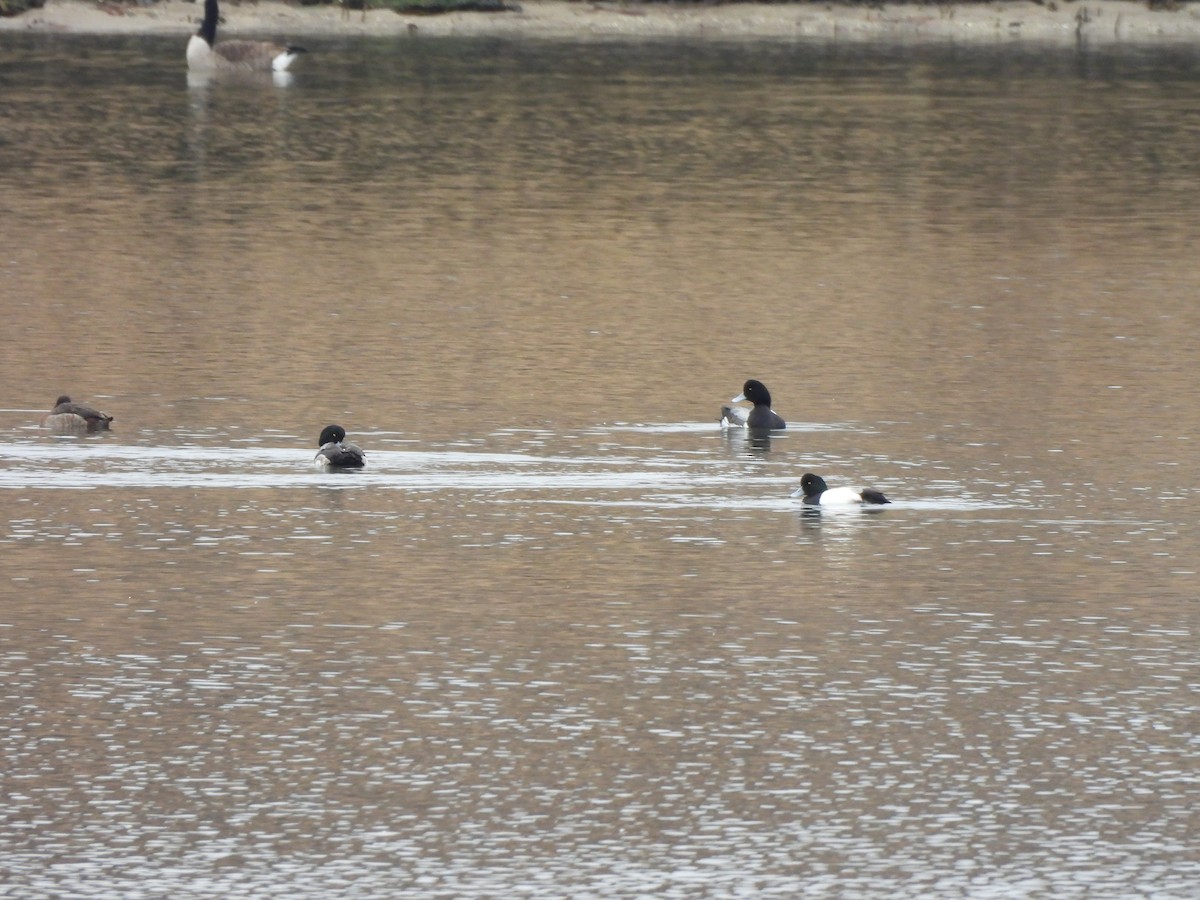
(756, 392)
(812, 484)
(62, 398)
(331, 434)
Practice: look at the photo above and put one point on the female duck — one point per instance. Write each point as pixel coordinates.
(204, 54)
(816, 493)
(761, 417)
(335, 454)
(74, 418)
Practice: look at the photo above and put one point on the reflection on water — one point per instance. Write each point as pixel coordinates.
(564, 635)
(202, 81)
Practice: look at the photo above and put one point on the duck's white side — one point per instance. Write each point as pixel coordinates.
(840, 496)
(734, 416)
(204, 54)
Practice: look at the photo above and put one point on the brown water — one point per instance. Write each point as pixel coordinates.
(564, 636)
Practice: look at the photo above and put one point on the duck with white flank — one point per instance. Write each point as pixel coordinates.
(761, 417)
(817, 493)
(336, 453)
(74, 418)
(204, 54)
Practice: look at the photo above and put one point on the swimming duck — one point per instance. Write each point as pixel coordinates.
(204, 54)
(74, 418)
(760, 417)
(335, 453)
(816, 493)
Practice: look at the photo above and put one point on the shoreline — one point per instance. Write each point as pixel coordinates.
(1089, 22)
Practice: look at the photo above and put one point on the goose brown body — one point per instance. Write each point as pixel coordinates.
(204, 54)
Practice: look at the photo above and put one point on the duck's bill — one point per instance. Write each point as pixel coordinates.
(740, 398)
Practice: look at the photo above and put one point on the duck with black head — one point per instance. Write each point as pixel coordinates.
(759, 418)
(336, 453)
(816, 493)
(68, 417)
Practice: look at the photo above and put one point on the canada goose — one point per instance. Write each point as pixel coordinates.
(206, 55)
(335, 453)
(74, 418)
(762, 417)
(816, 493)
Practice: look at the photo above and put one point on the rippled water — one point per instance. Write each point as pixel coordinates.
(564, 636)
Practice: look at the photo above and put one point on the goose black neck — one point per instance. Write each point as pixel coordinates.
(208, 28)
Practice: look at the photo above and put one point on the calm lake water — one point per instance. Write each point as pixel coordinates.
(564, 637)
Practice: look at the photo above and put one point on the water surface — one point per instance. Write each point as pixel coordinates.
(564, 636)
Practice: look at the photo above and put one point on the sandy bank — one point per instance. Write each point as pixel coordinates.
(1092, 21)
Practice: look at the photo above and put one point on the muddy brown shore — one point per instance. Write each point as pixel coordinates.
(1097, 22)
